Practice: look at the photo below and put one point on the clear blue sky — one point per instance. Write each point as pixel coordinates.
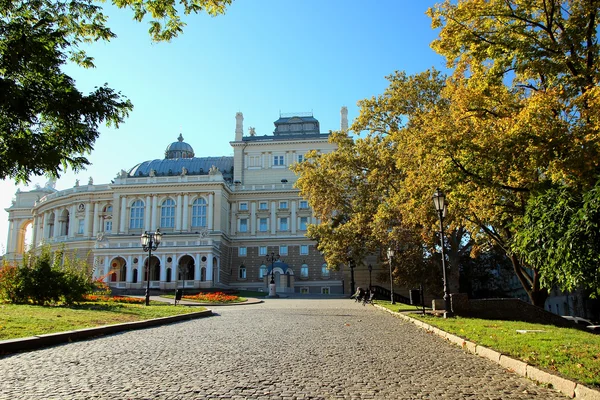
(261, 58)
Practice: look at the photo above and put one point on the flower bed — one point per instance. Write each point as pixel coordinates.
(216, 297)
(115, 299)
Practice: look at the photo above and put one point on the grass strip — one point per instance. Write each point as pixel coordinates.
(569, 352)
(17, 321)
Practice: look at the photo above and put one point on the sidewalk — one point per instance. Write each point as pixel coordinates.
(568, 387)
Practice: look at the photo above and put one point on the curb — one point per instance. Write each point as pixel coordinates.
(565, 386)
(12, 346)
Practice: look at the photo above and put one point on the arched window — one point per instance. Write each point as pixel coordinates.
(262, 271)
(167, 214)
(324, 271)
(304, 271)
(242, 271)
(136, 216)
(199, 212)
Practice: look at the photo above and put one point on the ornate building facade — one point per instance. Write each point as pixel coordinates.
(220, 217)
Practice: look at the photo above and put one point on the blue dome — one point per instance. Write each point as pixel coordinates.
(193, 166)
(179, 149)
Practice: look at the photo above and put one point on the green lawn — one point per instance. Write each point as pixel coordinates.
(570, 352)
(18, 321)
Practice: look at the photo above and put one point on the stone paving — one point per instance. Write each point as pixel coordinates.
(281, 349)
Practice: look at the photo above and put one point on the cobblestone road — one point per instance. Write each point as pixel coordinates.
(282, 349)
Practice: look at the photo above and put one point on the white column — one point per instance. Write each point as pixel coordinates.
(253, 218)
(72, 221)
(147, 213)
(116, 205)
(153, 222)
(123, 214)
(87, 223)
(178, 214)
(129, 273)
(34, 231)
(96, 220)
(210, 211)
(10, 240)
(106, 269)
(273, 218)
(232, 221)
(184, 222)
(163, 268)
(56, 225)
(209, 267)
(293, 221)
(197, 261)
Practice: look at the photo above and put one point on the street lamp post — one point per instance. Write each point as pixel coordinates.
(370, 270)
(150, 241)
(390, 254)
(272, 286)
(439, 202)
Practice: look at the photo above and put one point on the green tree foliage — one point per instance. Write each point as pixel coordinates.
(46, 123)
(560, 236)
(49, 277)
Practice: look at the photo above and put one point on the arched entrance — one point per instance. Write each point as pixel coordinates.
(118, 270)
(186, 268)
(154, 269)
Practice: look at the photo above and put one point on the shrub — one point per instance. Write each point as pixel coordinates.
(46, 278)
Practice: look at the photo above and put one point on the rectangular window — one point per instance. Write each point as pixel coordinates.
(283, 205)
(243, 225)
(304, 249)
(283, 250)
(242, 272)
(262, 251)
(263, 225)
(303, 290)
(303, 204)
(324, 290)
(283, 224)
(277, 161)
(303, 223)
(242, 252)
(243, 207)
(80, 227)
(325, 271)
(108, 226)
(300, 158)
(263, 205)
(254, 161)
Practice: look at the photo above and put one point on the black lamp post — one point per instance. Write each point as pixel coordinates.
(439, 202)
(370, 270)
(150, 241)
(272, 258)
(390, 254)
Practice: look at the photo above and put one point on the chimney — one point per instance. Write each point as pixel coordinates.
(239, 126)
(344, 123)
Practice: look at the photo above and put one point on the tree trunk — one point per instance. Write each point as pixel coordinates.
(531, 284)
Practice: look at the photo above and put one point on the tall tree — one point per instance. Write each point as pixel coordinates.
(46, 123)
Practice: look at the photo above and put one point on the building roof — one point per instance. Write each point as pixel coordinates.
(179, 149)
(174, 167)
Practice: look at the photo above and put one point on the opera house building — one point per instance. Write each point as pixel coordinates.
(222, 218)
